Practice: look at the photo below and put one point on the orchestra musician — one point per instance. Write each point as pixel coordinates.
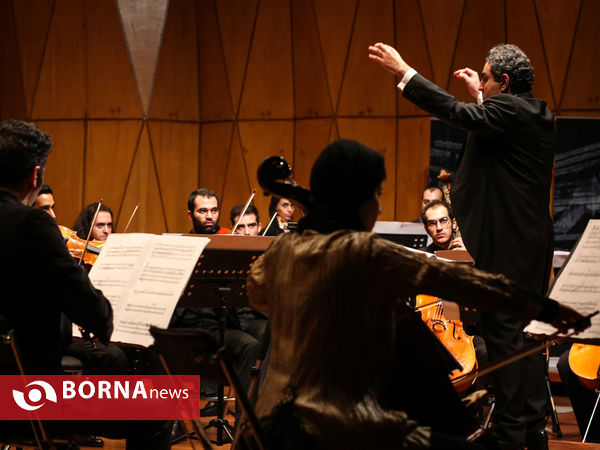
(45, 200)
(250, 224)
(440, 224)
(96, 357)
(32, 248)
(203, 212)
(283, 208)
(430, 194)
(501, 188)
(103, 225)
(338, 338)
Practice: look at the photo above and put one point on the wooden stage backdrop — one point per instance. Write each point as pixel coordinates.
(148, 99)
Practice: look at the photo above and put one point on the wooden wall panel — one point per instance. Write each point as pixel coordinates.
(175, 148)
(558, 19)
(380, 135)
(476, 36)
(582, 90)
(61, 92)
(409, 23)
(335, 19)
(236, 23)
(312, 136)
(32, 30)
(215, 101)
(237, 184)
(442, 20)
(142, 186)
(111, 88)
(365, 90)
(260, 140)
(175, 95)
(412, 168)
(12, 95)
(303, 61)
(215, 142)
(110, 149)
(523, 32)
(311, 90)
(270, 96)
(64, 171)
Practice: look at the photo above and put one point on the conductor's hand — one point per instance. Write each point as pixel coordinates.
(388, 58)
(567, 318)
(471, 79)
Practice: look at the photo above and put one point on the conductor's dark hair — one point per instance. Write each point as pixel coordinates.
(46, 190)
(23, 146)
(84, 220)
(511, 60)
(202, 192)
(435, 203)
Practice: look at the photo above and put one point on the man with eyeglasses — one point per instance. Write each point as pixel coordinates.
(440, 224)
(203, 211)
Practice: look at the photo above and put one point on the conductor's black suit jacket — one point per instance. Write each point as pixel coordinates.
(501, 190)
(39, 281)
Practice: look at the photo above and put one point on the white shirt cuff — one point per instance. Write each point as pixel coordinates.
(480, 98)
(406, 78)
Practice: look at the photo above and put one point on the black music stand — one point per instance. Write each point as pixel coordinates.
(219, 280)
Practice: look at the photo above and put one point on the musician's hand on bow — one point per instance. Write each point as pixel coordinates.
(388, 58)
(567, 318)
(457, 244)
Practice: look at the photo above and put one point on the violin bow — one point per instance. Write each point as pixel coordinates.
(137, 205)
(524, 351)
(89, 235)
(270, 222)
(244, 210)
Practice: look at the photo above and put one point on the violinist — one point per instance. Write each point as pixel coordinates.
(250, 224)
(283, 208)
(31, 247)
(45, 200)
(102, 226)
(440, 224)
(97, 358)
(335, 346)
(203, 212)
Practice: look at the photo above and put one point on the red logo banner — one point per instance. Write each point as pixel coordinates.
(98, 397)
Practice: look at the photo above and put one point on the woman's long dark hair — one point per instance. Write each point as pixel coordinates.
(344, 176)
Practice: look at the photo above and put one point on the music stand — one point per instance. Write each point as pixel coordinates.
(219, 280)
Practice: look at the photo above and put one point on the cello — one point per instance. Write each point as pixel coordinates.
(453, 336)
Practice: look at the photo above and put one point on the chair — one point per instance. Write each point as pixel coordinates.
(10, 362)
(194, 351)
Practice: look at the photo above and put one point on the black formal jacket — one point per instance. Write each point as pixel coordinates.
(39, 281)
(501, 190)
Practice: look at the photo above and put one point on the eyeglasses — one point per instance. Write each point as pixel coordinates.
(433, 223)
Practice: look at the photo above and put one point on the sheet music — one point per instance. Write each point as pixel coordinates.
(578, 284)
(143, 276)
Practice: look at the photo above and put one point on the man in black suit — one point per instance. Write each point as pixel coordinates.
(32, 248)
(501, 197)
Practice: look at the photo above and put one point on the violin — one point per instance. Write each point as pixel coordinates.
(584, 361)
(75, 245)
(453, 336)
